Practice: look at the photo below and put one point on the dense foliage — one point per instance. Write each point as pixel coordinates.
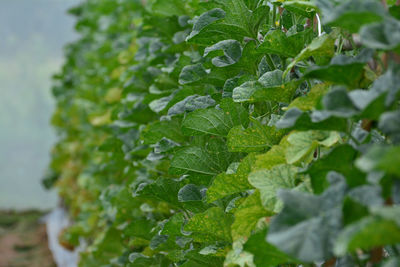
(231, 132)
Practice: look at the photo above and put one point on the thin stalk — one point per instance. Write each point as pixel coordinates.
(294, 20)
(270, 62)
(274, 16)
(283, 62)
(341, 43)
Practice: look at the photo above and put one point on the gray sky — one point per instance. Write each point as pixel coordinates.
(32, 36)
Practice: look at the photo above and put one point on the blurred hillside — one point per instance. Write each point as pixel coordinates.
(33, 33)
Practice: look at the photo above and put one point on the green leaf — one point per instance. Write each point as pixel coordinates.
(215, 121)
(156, 131)
(342, 69)
(192, 73)
(169, 8)
(268, 182)
(382, 36)
(303, 8)
(163, 189)
(231, 20)
(340, 159)
(173, 226)
(247, 215)
(210, 226)
(206, 19)
(389, 124)
(270, 87)
(232, 52)
(320, 47)
(207, 121)
(258, 137)
(381, 158)
(190, 192)
(308, 225)
(228, 184)
(279, 43)
(191, 103)
(376, 230)
(309, 101)
(266, 254)
(351, 14)
(203, 161)
(338, 103)
(275, 156)
(303, 144)
(294, 118)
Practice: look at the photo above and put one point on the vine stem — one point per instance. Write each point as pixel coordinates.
(270, 61)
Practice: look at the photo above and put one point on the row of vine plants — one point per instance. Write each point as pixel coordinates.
(231, 133)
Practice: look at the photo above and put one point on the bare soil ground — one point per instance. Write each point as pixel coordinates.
(23, 240)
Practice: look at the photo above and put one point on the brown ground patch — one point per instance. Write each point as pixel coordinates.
(23, 241)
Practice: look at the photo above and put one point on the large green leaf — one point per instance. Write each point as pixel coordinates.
(270, 87)
(155, 131)
(265, 254)
(342, 69)
(279, 43)
(322, 46)
(351, 14)
(268, 182)
(309, 101)
(211, 160)
(381, 158)
(274, 156)
(294, 118)
(247, 216)
(304, 8)
(257, 137)
(192, 73)
(308, 225)
(232, 19)
(215, 121)
(382, 227)
(383, 36)
(232, 52)
(340, 159)
(226, 184)
(210, 226)
(303, 144)
(191, 103)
